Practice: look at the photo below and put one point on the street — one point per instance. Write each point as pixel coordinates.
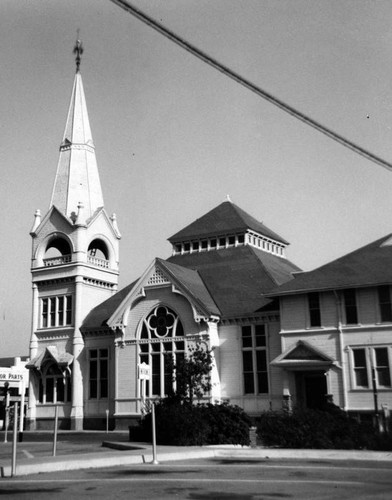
(219, 478)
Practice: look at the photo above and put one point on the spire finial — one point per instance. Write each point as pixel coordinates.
(78, 50)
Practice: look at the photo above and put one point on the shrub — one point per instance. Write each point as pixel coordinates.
(182, 424)
(330, 428)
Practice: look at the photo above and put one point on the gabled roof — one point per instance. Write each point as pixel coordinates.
(186, 280)
(237, 278)
(224, 219)
(302, 354)
(98, 316)
(191, 281)
(63, 359)
(370, 265)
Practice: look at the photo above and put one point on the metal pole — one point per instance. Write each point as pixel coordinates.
(375, 397)
(154, 440)
(14, 440)
(107, 421)
(7, 415)
(56, 418)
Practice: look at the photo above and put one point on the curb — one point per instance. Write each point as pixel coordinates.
(93, 460)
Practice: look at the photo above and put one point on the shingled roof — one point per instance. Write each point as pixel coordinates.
(369, 265)
(226, 282)
(237, 278)
(98, 316)
(224, 219)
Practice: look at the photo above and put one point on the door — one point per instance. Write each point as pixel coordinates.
(311, 389)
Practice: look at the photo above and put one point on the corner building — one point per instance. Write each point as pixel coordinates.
(88, 340)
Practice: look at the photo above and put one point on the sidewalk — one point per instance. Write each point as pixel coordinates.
(120, 452)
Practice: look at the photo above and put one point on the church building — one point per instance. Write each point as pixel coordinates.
(279, 337)
(89, 340)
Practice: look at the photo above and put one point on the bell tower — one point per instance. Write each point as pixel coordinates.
(75, 266)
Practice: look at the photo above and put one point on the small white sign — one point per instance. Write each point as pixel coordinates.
(144, 371)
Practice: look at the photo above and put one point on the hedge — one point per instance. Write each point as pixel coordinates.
(330, 429)
(183, 424)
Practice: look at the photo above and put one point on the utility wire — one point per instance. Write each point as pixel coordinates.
(248, 84)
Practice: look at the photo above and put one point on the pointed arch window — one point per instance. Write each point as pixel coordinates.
(161, 336)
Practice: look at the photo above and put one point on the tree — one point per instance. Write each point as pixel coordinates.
(191, 373)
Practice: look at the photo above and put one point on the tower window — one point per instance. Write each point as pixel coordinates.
(54, 385)
(56, 311)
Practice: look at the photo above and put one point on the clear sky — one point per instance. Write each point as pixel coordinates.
(173, 136)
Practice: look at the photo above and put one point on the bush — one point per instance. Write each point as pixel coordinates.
(329, 429)
(182, 424)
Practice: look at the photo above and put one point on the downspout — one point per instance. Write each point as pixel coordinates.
(341, 347)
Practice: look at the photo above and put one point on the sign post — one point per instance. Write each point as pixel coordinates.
(7, 410)
(144, 374)
(14, 440)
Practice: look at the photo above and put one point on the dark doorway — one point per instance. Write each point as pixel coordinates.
(311, 389)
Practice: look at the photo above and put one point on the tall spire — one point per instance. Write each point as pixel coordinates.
(77, 179)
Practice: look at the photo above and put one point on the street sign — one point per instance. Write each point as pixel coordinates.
(144, 371)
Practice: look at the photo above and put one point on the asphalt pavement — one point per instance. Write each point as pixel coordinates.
(84, 450)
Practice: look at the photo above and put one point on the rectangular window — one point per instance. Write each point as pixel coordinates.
(384, 299)
(254, 359)
(372, 361)
(350, 307)
(382, 367)
(99, 373)
(56, 311)
(314, 309)
(360, 368)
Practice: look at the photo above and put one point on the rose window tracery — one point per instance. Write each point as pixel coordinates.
(161, 321)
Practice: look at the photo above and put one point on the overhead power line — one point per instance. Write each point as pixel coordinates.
(249, 85)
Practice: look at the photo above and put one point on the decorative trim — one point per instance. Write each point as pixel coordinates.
(267, 317)
(54, 282)
(98, 283)
(68, 147)
(98, 332)
(51, 335)
(157, 278)
(129, 342)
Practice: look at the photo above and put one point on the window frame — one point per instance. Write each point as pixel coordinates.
(253, 345)
(314, 309)
(350, 304)
(371, 367)
(384, 303)
(49, 382)
(153, 349)
(56, 311)
(100, 357)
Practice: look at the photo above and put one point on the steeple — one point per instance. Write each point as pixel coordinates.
(77, 180)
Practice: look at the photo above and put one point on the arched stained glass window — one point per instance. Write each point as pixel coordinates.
(161, 337)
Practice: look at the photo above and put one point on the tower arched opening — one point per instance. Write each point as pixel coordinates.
(58, 251)
(98, 253)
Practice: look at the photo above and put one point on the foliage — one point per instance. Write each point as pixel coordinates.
(328, 429)
(182, 424)
(191, 373)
